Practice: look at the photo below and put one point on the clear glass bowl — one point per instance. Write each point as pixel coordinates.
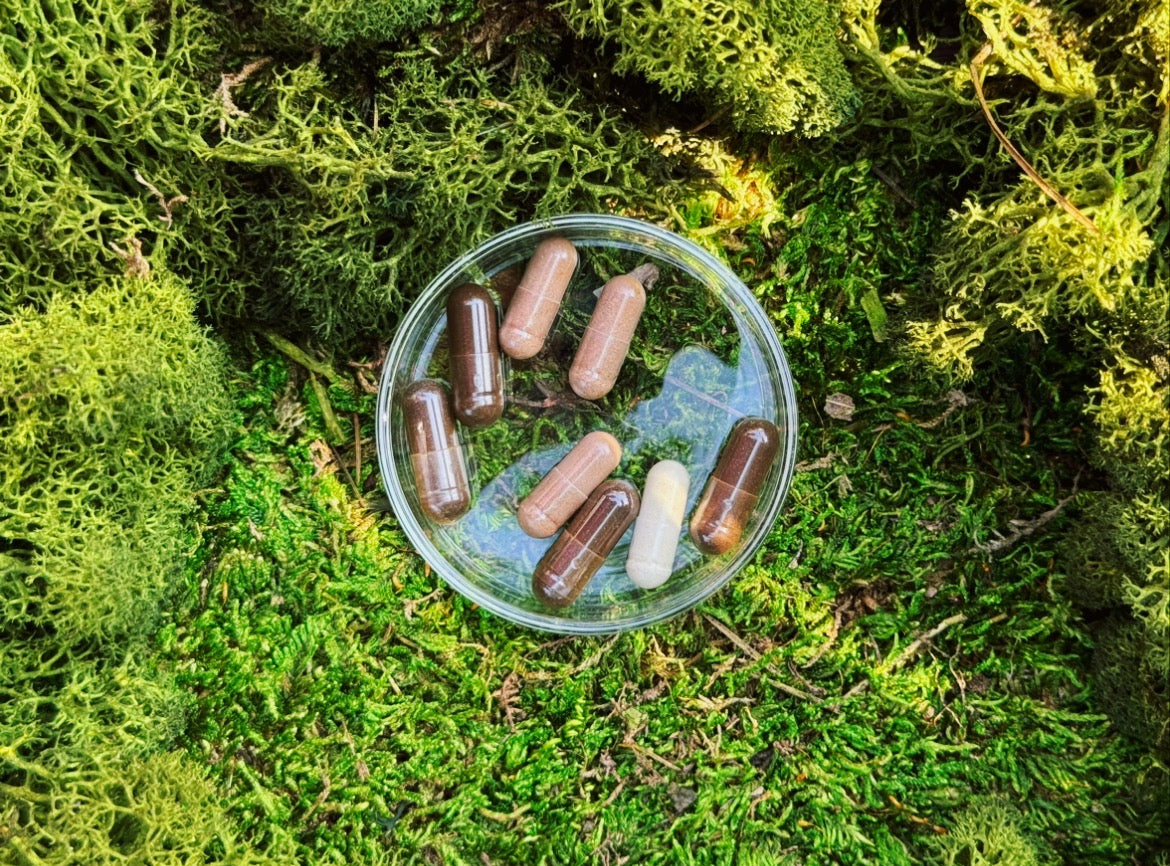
(704, 356)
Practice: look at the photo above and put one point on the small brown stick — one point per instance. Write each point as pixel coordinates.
(613, 795)
(1024, 528)
(910, 651)
(136, 263)
(507, 693)
(1048, 189)
(755, 656)
(228, 80)
(956, 400)
(646, 274)
(167, 204)
(357, 448)
(320, 798)
(889, 181)
(711, 119)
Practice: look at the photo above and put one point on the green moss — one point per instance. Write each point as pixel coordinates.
(100, 123)
(354, 213)
(351, 702)
(1131, 407)
(114, 411)
(1135, 692)
(85, 775)
(1093, 575)
(336, 23)
(776, 65)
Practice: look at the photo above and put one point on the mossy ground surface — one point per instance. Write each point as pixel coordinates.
(952, 647)
(875, 687)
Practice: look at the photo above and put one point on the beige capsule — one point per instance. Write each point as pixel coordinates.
(607, 337)
(568, 484)
(537, 300)
(659, 525)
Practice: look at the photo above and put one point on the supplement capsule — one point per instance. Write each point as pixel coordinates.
(664, 502)
(607, 337)
(568, 484)
(440, 470)
(734, 487)
(580, 550)
(537, 299)
(477, 390)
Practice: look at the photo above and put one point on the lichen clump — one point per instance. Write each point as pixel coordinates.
(114, 406)
(776, 66)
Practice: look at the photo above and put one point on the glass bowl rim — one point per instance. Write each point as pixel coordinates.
(729, 285)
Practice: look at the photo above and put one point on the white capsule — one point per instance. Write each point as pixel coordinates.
(659, 524)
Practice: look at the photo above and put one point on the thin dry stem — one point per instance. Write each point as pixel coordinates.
(1048, 189)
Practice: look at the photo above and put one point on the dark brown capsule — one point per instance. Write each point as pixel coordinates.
(734, 487)
(579, 551)
(440, 469)
(477, 391)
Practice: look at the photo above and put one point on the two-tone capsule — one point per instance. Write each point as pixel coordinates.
(656, 532)
(537, 299)
(734, 487)
(577, 554)
(436, 457)
(477, 390)
(566, 487)
(607, 338)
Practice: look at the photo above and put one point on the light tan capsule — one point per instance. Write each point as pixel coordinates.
(607, 337)
(537, 299)
(659, 523)
(568, 484)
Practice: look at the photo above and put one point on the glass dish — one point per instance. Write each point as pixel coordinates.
(704, 356)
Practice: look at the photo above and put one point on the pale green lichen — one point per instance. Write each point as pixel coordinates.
(776, 65)
(114, 408)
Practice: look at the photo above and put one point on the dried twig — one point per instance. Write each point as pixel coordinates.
(820, 463)
(228, 80)
(167, 204)
(136, 263)
(357, 448)
(507, 693)
(1023, 528)
(910, 650)
(321, 798)
(755, 656)
(956, 400)
(1048, 189)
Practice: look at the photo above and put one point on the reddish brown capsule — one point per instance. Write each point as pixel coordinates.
(734, 487)
(580, 550)
(477, 391)
(537, 299)
(440, 470)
